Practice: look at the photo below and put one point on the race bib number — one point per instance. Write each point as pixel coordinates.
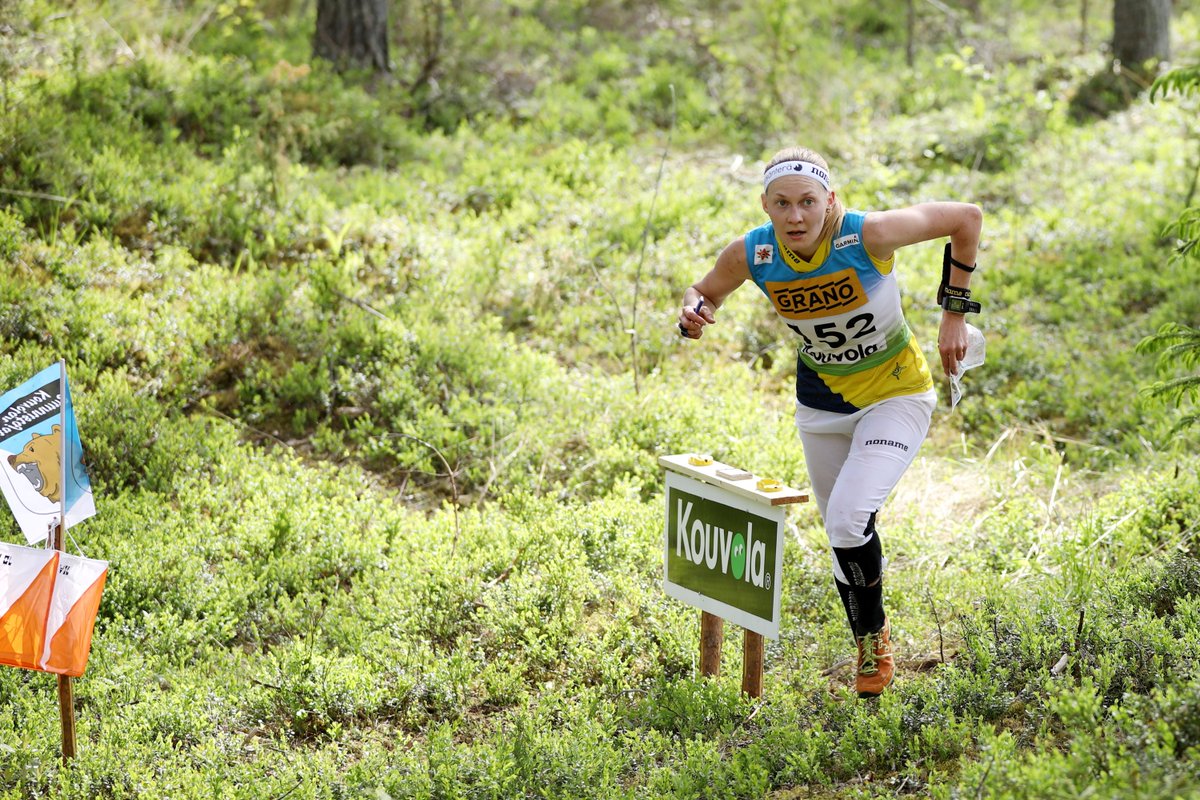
(841, 341)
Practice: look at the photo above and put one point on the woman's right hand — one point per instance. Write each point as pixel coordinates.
(706, 295)
(694, 315)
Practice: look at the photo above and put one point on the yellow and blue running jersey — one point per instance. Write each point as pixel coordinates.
(856, 348)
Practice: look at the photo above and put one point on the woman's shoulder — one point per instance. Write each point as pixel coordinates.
(761, 233)
(738, 247)
(866, 236)
(850, 229)
(853, 219)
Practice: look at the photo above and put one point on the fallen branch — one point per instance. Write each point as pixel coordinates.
(362, 305)
(503, 576)
(744, 722)
(837, 667)
(38, 195)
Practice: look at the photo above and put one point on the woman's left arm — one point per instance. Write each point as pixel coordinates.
(886, 231)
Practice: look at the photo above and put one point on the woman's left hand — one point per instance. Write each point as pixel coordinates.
(952, 341)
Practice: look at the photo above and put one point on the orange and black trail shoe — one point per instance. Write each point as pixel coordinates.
(876, 667)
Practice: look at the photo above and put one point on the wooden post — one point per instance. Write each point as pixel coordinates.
(66, 693)
(752, 664)
(66, 712)
(712, 632)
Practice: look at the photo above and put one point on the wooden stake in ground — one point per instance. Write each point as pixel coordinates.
(752, 664)
(66, 692)
(712, 632)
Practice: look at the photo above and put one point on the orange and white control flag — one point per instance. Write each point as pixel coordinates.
(48, 605)
(77, 590)
(26, 588)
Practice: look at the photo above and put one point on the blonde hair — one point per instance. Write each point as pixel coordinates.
(833, 222)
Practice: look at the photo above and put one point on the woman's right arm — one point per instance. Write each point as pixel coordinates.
(730, 272)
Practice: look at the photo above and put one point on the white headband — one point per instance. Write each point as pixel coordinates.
(803, 169)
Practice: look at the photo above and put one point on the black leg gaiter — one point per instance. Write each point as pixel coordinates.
(863, 596)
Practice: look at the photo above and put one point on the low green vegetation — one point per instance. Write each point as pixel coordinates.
(373, 375)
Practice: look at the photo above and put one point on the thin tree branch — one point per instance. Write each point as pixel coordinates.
(449, 472)
(983, 780)
(938, 620)
(637, 281)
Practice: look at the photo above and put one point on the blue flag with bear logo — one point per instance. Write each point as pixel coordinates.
(38, 436)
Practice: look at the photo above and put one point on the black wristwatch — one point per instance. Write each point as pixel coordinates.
(960, 305)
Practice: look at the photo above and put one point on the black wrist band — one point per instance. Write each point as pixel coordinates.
(954, 291)
(948, 261)
(954, 262)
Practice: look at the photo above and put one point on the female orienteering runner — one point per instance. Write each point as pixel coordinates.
(864, 392)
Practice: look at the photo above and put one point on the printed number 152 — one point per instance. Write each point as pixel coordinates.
(857, 326)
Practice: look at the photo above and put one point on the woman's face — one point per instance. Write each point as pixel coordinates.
(797, 207)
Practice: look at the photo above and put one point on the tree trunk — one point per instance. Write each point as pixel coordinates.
(910, 34)
(1141, 31)
(1083, 26)
(353, 33)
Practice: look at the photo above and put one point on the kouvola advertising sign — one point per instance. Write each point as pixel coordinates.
(723, 553)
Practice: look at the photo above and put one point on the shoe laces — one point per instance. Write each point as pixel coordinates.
(869, 658)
